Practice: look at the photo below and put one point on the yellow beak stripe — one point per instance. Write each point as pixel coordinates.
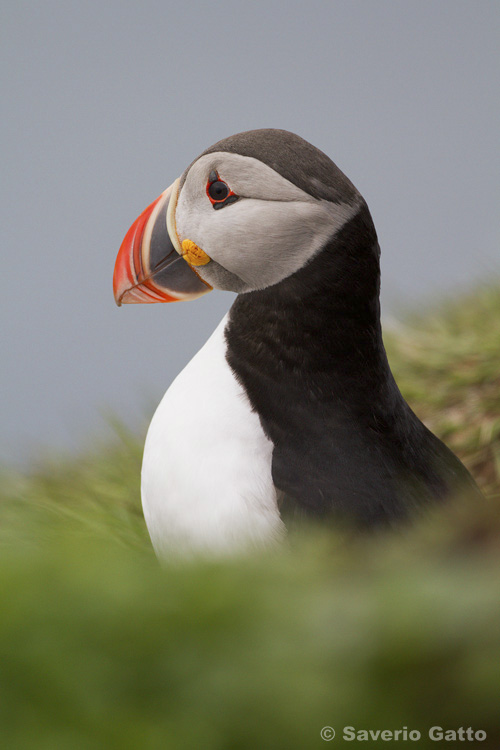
(193, 254)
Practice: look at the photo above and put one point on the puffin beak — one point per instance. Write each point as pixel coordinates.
(151, 265)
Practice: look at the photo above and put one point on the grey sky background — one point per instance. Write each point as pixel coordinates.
(106, 103)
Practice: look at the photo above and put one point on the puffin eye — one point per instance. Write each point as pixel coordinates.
(219, 192)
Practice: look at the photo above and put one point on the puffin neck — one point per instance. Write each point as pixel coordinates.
(317, 332)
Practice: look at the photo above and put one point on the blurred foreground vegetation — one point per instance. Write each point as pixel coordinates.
(100, 647)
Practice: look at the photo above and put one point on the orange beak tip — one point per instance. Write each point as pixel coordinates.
(149, 271)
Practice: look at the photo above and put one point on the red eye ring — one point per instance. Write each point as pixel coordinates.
(219, 193)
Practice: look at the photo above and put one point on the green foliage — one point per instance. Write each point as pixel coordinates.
(100, 647)
(447, 364)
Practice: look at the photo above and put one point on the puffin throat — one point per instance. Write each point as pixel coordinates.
(318, 329)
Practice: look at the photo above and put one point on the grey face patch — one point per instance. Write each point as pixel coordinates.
(293, 158)
(271, 232)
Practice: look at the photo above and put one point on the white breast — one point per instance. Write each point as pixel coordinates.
(206, 473)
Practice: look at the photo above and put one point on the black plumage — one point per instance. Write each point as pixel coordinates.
(310, 355)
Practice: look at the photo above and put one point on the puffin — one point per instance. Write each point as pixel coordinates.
(290, 410)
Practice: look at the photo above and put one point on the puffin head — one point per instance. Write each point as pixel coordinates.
(249, 212)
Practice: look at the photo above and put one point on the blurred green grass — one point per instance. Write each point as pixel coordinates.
(100, 647)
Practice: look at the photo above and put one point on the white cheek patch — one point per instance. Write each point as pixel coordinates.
(266, 241)
(246, 176)
(262, 238)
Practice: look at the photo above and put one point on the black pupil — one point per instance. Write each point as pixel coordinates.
(218, 190)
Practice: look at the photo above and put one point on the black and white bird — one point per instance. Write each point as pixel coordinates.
(290, 408)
